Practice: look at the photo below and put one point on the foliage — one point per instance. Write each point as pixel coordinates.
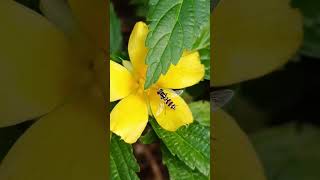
(122, 162)
(177, 169)
(190, 144)
(288, 151)
(140, 7)
(115, 33)
(201, 112)
(311, 13)
(173, 28)
(149, 138)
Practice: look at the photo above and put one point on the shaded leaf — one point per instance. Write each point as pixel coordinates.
(191, 144)
(206, 61)
(149, 138)
(115, 31)
(177, 169)
(141, 7)
(289, 152)
(123, 164)
(311, 13)
(201, 112)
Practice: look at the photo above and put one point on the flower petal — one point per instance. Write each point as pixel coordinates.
(187, 72)
(232, 145)
(129, 118)
(170, 119)
(121, 82)
(37, 69)
(68, 144)
(249, 41)
(137, 49)
(92, 16)
(59, 13)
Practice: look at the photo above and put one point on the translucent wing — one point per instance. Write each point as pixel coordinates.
(160, 108)
(174, 93)
(178, 91)
(219, 98)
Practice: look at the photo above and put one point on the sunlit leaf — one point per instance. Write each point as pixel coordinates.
(173, 28)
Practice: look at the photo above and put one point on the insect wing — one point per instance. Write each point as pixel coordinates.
(220, 97)
(178, 91)
(161, 107)
(174, 93)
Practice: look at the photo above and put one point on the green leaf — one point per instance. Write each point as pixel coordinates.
(191, 144)
(149, 138)
(201, 112)
(123, 164)
(118, 57)
(141, 7)
(177, 169)
(203, 39)
(174, 26)
(311, 13)
(289, 151)
(202, 44)
(206, 61)
(115, 32)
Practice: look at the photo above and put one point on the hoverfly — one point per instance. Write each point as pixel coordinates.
(219, 98)
(166, 100)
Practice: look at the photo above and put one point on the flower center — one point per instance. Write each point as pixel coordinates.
(140, 87)
(141, 82)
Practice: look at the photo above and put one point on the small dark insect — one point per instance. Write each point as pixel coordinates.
(166, 99)
(219, 98)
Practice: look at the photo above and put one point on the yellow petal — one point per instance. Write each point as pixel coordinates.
(234, 156)
(137, 49)
(250, 41)
(59, 13)
(68, 144)
(37, 69)
(121, 82)
(92, 16)
(170, 119)
(187, 72)
(129, 118)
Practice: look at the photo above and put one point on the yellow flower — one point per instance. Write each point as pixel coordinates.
(130, 116)
(52, 70)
